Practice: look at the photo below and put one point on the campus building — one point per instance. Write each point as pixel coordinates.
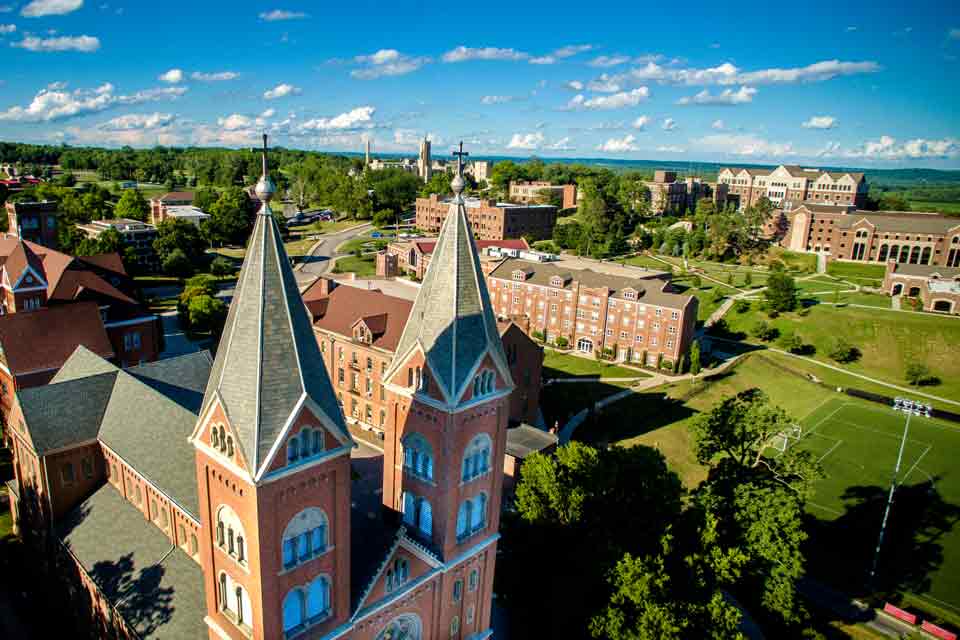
(413, 256)
(636, 319)
(135, 235)
(937, 287)
(52, 303)
(678, 197)
(532, 192)
(359, 330)
(159, 204)
(258, 517)
(787, 186)
(34, 221)
(491, 220)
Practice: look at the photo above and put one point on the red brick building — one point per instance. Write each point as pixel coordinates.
(229, 501)
(159, 204)
(52, 303)
(937, 287)
(35, 221)
(788, 185)
(637, 319)
(532, 192)
(491, 220)
(358, 331)
(413, 256)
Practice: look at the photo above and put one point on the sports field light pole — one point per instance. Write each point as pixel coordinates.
(911, 408)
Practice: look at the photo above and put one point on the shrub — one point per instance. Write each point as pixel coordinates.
(717, 295)
(741, 306)
(918, 373)
(781, 292)
(177, 264)
(842, 351)
(561, 342)
(206, 313)
(538, 335)
(730, 278)
(764, 331)
(696, 282)
(748, 279)
(221, 266)
(791, 342)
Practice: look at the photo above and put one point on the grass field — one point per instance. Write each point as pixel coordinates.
(560, 402)
(562, 365)
(887, 341)
(704, 294)
(867, 275)
(857, 444)
(364, 267)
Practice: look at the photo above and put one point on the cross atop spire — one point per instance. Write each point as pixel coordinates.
(460, 156)
(458, 183)
(265, 187)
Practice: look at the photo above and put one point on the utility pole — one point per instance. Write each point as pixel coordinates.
(911, 408)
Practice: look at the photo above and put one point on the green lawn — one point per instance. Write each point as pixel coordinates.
(821, 284)
(363, 242)
(560, 402)
(562, 365)
(857, 444)
(704, 294)
(887, 341)
(870, 275)
(363, 267)
(851, 297)
(648, 262)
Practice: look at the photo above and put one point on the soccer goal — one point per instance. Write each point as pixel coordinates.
(786, 438)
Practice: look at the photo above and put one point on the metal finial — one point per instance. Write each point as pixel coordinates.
(264, 154)
(265, 187)
(458, 183)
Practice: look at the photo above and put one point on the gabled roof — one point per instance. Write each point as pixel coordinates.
(345, 305)
(68, 413)
(427, 246)
(268, 362)
(44, 339)
(452, 320)
(20, 260)
(525, 439)
(109, 261)
(176, 196)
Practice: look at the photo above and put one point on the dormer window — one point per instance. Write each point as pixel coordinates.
(630, 294)
(518, 274)
(556, 281)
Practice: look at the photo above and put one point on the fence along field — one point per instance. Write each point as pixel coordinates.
(857, 444)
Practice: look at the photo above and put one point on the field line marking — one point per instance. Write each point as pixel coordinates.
(883, 433)
(927, 422)
(822, 420)
(830, 450)
(927, 596)
(910, 470)
(827, 509)
(817, 408)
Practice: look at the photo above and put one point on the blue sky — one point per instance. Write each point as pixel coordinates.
(853, 83)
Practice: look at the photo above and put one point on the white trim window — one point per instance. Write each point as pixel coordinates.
(417, 456)
(476, 457)
(418, 514)
(230, 536)
(305, 537)
(472, 517)
(306, 606)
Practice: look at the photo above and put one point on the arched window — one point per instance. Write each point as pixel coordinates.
(230, 534)
(915, 255)
(244, 611)
(925, 256)
(214, 441)
(418, 456)
(223, 439)
(305, 443)
(426, 518)
(474, 580)
(463, 519)
(317, 441)
(224, 591)
(305, 537)
(478, 515)
(292, 449)
(417, 513)
(318, 600)
(230, 446)
(293, 607)
(409, 508)
(398, 574)
(405, 627)
(884, 250)
(476, 457)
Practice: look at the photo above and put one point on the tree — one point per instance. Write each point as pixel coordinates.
(764, 331)
(393, 189)
(207, 314)
(747, 279)
(230, 220)
(177, 264)
(918, 373)
(791, 342)
(221, 266)
(696, 281)
(695, 357)
(781, 292)
(842, 351)
(132, 205)
(204, 199)
(178, 234)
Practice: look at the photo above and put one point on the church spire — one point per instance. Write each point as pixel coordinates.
(268, 364)
(452, 321)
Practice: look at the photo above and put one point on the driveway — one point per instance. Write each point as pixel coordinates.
(319, 260)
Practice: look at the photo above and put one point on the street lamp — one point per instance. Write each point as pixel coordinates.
(911, 408)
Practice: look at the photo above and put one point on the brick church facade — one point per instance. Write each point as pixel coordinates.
(228, 500)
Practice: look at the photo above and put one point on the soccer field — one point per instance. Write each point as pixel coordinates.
(857, 444)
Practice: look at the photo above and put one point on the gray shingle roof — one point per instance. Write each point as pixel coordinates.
(525, 439)
(268, 356)
(82, 363)
(900, 221)
(67, 413)
(452, 318)
(155, 587)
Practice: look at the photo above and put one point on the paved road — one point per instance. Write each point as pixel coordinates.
(319, 260)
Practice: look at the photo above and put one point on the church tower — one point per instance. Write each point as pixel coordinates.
(446, 434)
(272, 460)
(424, 164)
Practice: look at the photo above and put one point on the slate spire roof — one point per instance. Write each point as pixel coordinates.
(268, 363)
(452, 320)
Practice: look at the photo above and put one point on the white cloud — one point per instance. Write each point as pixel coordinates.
(718, 125)
(496, 99)
(613, 101)
(820, 122)
(7, 28)
(387, 62)
(669, 124)
(849, 29)
(572, 50)
(830, 149)
(83, 44)
(526, 141)
(563, 144)
(463, 54)
(406, 137)
(281, 91)
(56, 86)
(574, 85)
(670, 148)
(609, 61)
(727, 96)
(174, 76)
(886, 148)
(604, 84)
(218, 76)
(641, 122)
(745, 145)
(39, 8)
(50, 104)
(619, 145)
(269, 113)
(349, 120)
(136, 121)
(235, 122)
(543, 60)
(816, 72)
(281, 14)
